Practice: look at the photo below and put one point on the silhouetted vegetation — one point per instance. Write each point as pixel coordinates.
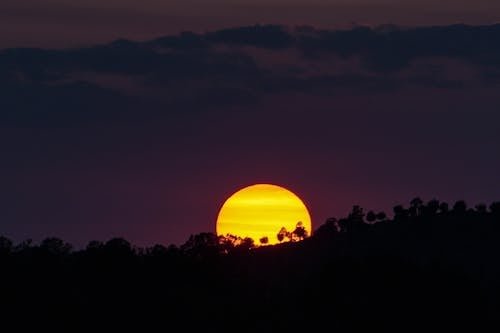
(427, 268)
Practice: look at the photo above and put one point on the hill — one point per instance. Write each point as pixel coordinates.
(430, 267)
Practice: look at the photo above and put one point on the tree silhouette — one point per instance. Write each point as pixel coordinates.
(201, 245)
(24, 246)
(444, 207)
(356, 214)
(6, 245)
(354, 221)
(158, 250)
(56, 246)
(282, 234)
(327, 229)
(300, 232)
(231, 242)
(371, 216)
(381, 216)
(376, 274)
(118, 247)
(432, 207)
(247, 243)
(94, 245)
(460, 207)
(416, 205)
(481, 208)
(400, 213)
(495, 208)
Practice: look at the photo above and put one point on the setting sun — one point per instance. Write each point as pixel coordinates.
(260, 211)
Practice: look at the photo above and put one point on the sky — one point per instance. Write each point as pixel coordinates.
(138, 121)
(60, 23)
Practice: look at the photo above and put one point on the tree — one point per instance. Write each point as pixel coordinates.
(355, 220)
(444, 208)
(94, 248)
(416, 202)
(118, 248)
(356, 214)
(55, 246)
(6, 245)
(343, 224)
(460, 207)
(328, 228)
(264, 240)
(282, 234)
(201, 245)
(371, 216)
(227, 243)
(247, 243)
(300, 231)
(481, 208)
(231, 243)
(416, 205)
(432, 207)
(400, 212)
(332, 223)
(24, 246)
(495, 208)
(157, 250)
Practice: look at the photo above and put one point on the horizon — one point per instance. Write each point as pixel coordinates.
(394, 216)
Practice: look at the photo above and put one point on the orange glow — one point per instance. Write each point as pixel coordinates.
(261, 210)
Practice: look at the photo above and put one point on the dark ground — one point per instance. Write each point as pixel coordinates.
(428, 269)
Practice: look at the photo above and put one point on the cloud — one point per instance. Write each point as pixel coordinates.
(240, 66)
(393, 48)
(382, 48)
(266, 36)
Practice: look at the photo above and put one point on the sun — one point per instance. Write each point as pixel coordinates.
(260, 211)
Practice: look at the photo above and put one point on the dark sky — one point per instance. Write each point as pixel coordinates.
(145, 138)
(57, 23)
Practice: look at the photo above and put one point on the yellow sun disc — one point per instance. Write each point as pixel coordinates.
(260, 211)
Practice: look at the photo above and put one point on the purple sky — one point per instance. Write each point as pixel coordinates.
(146, 139)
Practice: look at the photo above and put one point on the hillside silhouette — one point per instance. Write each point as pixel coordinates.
(432, 266)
